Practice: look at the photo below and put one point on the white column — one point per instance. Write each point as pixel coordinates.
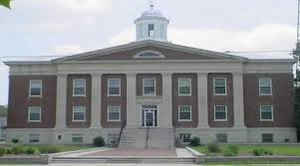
(133, 118)
(96, 101)
(238, 100)
(165, 113)
(202, 101)
(61, 101)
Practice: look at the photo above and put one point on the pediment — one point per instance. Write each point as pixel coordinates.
(152, 50)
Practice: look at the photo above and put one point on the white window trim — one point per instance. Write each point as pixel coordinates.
(73, 115)
(41, 90)
(260, 113)
(185, 120)
(109, 86)
(226, 111)
(190, 80)
(154, 94)
(29, 111)
(108, 109)
(214, 86)
(271, 89)
(84, 95)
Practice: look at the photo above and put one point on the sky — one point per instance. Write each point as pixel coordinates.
(65, 27)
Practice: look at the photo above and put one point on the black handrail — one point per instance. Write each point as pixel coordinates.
(121, 131)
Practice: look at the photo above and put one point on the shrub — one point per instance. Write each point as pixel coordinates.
(31, 150)
(99, 141)
(15, 141)
(195, 141)
(231, 150)
(18, 150)
(2, 151)
(8, 151)
(262, 152)
(213, 148)
(49, 149)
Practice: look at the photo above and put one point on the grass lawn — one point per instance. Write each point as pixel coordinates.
(246, 150)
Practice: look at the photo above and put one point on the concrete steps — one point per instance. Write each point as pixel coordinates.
(158, 138)
(112, 160)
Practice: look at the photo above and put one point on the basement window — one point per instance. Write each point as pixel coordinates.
(77, 138)
(34, 138)
(222, 138)
(267, 138)
(184, 137)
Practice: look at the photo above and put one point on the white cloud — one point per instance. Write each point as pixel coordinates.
(67, 50)
(86, 6)
(262, 37)
(3, 84)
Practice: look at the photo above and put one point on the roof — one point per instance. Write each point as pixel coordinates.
(106, 52)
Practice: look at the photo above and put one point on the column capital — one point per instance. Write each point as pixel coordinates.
(96, 74)
(202, 73)
(166, 73)
(237, 73)
(62, 74)
(132, 74)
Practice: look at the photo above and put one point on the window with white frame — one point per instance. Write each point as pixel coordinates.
(35, 89)
(34, 114)
(77, 138)
(185, 113)
(114, 87)
(220, 86)
(220, 112)
(265, 86)
(34, 138)
(184, 87)
(114, 113)
(150, 30)
(79, 113)
(266, 112)
(79, 87)
(149, 87)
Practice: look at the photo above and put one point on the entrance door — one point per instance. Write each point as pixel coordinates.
(149, 116)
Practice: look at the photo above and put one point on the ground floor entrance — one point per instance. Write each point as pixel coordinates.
(149, 116)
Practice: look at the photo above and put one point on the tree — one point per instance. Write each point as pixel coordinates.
(297, 103)
(3, 110)
(5, 3)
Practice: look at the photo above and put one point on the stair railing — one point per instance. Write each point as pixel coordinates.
(121, 132)
(147, 138)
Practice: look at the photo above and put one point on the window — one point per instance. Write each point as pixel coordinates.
(185, 113)
(267, 138)
(150, 30)
(149, 87)
(114, 113)
(34, 138)
(185, 138)
(79, 87)
(222, 138)
(79, 113)
(34, 114)
(114, 87)
(35, 89)
(77, 138)
(184, 87)
(265, 86)
(220, 112)
(220, 86)
(266, 112)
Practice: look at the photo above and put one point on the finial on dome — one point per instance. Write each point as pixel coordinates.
(151, 4)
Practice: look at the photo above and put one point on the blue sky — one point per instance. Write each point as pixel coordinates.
(64, 27)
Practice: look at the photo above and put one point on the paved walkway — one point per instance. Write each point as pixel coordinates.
(134, 153)
(108, 152)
